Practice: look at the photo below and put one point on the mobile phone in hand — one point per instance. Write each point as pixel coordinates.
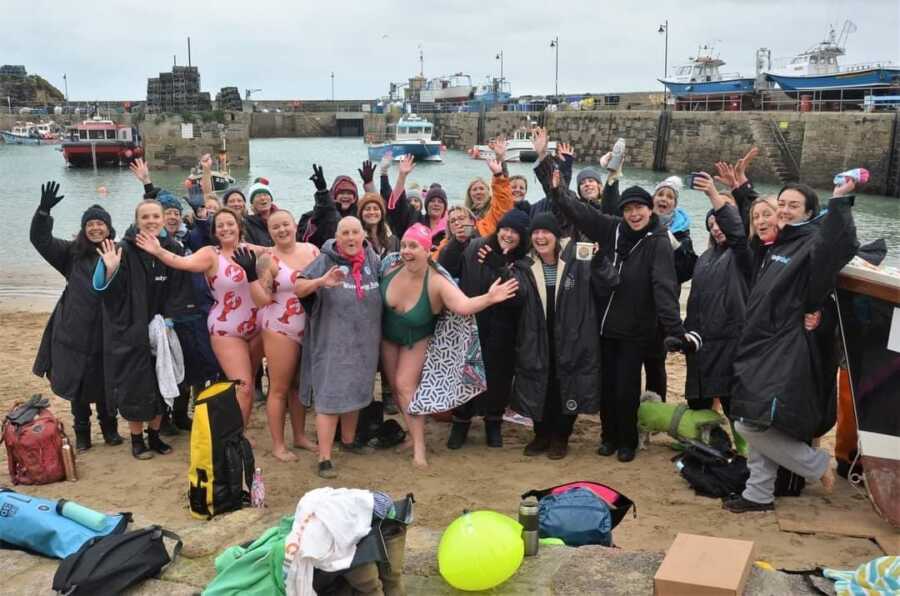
(692, 179)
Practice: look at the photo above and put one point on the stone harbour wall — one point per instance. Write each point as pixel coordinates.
(165, 146)
(300, 124)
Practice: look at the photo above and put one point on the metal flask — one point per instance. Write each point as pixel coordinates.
(528, 517)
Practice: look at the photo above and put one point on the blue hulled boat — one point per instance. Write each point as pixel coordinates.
(412, 137)
(701, 77)
(816, 69)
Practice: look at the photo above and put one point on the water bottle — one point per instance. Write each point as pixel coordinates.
(858, 175)
(81, 514)
(68, 459)
(258, 490)
(528, 517)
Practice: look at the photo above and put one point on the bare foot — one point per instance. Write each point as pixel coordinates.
(421, 464)
(827, 481)
(305, 443)
(404, 446)
(284, 455)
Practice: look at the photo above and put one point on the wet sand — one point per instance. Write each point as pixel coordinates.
(474, 477)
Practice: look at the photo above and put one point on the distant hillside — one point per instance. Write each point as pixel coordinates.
(29, 90)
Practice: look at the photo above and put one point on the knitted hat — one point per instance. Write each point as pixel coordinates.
(672, 182)
(96, 212)
(635, 194)
(515, 219)
(344, 184)
(711, 212)
(259, 186)
(436, 192)
(169, 201)
(369, 198)
(232, 191)
(546, 221)
(588, 173)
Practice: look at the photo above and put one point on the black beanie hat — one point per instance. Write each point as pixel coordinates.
(546, 221)
(96, 212)
(635, 194)
(515, 219)
(436, 192)
(706, 219)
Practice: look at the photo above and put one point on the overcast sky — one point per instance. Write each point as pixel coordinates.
(289, 49)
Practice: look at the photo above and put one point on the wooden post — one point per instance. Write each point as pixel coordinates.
(94, 154)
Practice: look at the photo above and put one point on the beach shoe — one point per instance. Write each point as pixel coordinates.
(606, 449)
(156, 444)
(166, 426)
(559, 448)
(493, 435)
(741, 505)
(357, 448)
(326, 469)
(459, 432)
(111, 434)
(537, 446)
(625, 454)
(139, 449)
(83, 439)
(618, 156)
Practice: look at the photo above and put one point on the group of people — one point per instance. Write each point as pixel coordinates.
(575, 298)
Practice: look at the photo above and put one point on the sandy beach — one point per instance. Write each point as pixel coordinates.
(474, 477)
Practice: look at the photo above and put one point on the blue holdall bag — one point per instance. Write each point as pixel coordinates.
(577, 517)
(38, 525)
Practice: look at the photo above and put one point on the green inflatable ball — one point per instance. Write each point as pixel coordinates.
(480, 550)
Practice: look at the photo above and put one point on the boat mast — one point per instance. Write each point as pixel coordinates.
(421, 62)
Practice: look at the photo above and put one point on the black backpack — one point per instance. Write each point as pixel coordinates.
(710, 472)
(110, 564)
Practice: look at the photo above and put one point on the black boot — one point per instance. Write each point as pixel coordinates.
(156, 444)
(387, 398)
(166, 426)
(180, 417)
(82, 435)
(459, 432)
(110, 432)
(493, 435)
(139, 449)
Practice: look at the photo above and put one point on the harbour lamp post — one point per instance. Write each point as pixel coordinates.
(500, 58)
(66, 81)
(332, 85)
(554, 43)
(664, 28)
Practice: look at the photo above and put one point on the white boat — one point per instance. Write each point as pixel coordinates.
(25, 134)
(701, 77)
(457, 87)
(412, 136)
(520, 147)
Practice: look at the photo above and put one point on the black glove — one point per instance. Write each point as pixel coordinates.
(49, 198)
(367, 172)
(688, 343)
(246, 258)
(318, 178)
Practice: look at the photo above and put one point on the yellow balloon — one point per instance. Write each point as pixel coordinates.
(480, 550)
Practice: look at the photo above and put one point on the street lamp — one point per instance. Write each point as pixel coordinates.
(500, 58)
(664, 28)
(66, 81)
(554, 43)
(332, 85)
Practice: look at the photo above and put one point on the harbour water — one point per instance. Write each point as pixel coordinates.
(27, 281)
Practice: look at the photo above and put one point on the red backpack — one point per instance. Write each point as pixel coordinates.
(33, 437)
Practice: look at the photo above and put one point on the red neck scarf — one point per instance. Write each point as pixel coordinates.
(356, 264)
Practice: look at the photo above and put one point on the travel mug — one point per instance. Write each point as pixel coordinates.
(528, 517)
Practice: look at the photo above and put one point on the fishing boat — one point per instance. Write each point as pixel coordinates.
(816, 69)
(413, 136)
(102, 143)
(493, 92)
(23, 134)
(701, 77)
(221, 179)
(519, 147)
(457, 87)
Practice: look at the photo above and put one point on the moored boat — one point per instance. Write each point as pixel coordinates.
(519, 148)
(102, 142)
(702, 77)
(457, 87)
(413, 136)
(29, 133)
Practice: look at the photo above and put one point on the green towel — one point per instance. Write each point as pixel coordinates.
(255, 570)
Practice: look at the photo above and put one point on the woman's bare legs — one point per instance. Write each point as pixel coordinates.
(239, 360)
(297, 412)
(404, 368)
(281, 356)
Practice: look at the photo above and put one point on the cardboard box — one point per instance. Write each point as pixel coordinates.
(704, 566)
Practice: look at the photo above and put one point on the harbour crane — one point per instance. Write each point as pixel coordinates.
(249, 92)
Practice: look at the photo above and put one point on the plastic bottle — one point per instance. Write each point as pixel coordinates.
(81, 514)
(258, 490)
(858, 175)
(68, 458)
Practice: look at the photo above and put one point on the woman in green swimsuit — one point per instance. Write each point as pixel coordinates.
(413, 298)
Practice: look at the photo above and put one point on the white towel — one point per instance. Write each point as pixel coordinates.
(327, 525)
(169, 358)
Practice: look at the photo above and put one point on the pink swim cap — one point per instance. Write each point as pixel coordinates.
(419, 233)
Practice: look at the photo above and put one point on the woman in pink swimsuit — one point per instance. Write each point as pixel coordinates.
(283, 322)
(233, 321)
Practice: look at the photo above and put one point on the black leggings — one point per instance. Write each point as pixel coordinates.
(554, 424)
(655, 367)
(621, 391)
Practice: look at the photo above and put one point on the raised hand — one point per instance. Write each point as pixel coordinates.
(726, 174)
(49, 196)
(847, 188)
(499, 292)
(148, 243)
(140, 170)
(498, 146)
(333, 277)
(385, 164)
(111, 255)
(407, 164)
(495, 165)
(706, 185)
(367, 172)
(318, 178)
(246, 258)
(565, 149)
(740, 168)
(206, 162)
(539, 140)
